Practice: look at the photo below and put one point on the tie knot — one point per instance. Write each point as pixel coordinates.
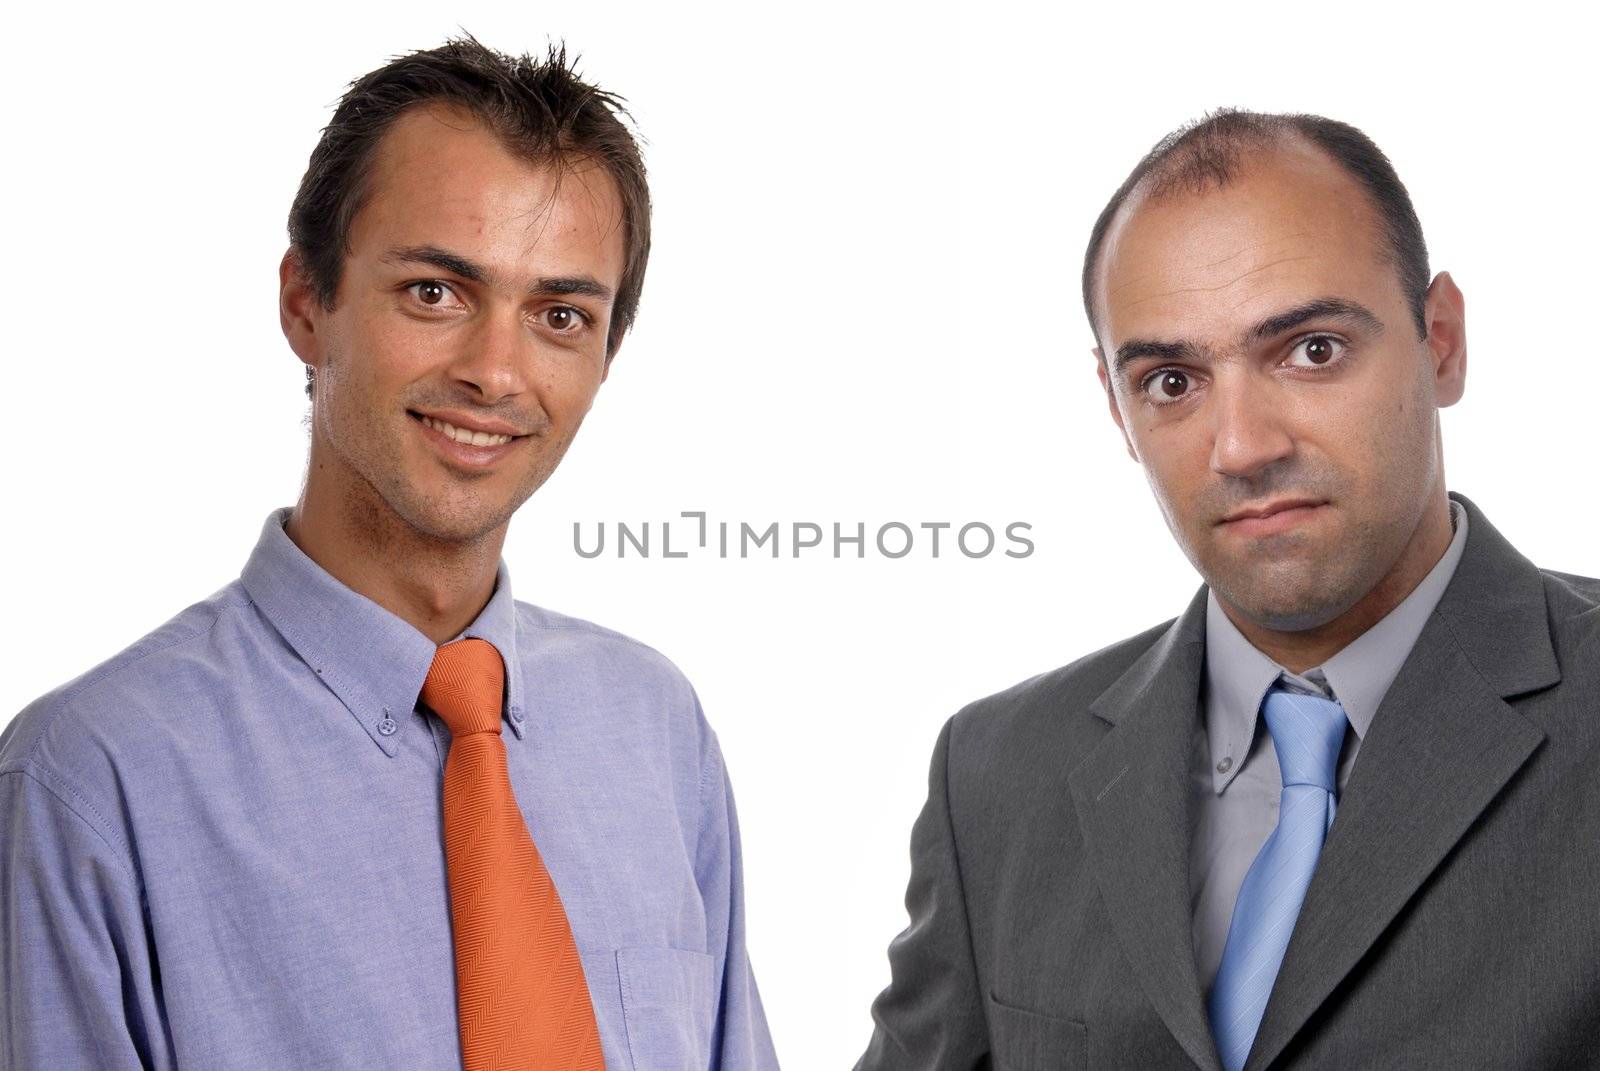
(1307, 732)
(464, 686)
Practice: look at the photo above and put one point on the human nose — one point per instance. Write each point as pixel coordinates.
(1251, 430)
(496, 358)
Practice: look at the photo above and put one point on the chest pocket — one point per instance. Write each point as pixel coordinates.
(668, 1005)
(1024, 1040)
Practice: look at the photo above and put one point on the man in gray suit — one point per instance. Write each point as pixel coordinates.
(1166, 854)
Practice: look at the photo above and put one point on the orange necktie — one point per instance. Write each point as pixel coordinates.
(521, 994)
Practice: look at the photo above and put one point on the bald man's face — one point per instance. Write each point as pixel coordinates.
(1263, 365)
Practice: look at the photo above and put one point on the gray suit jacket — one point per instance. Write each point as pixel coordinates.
(1453, 921)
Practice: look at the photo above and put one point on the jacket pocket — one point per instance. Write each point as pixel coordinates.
(668, 1006)
(1024, 1040)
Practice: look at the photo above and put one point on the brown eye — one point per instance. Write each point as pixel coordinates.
(431, 292)
(1167, 385)
(563, 318)
(1318, 351)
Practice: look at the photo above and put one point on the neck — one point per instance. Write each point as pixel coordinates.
(1301, 651)
(437, 585)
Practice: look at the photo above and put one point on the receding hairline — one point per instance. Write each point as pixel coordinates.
(1212, 163)
(461, 117)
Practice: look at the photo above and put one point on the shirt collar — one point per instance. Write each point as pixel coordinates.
(372, 660)
(1238, 675)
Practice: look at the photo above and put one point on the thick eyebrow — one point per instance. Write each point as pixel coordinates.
(439, 258)
(571, 285)
(1321, 308)
(557, 286)
(1137, 349)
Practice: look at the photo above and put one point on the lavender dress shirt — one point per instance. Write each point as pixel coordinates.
(223, 847)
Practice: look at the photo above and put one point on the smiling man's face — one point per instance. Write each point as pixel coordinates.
(1259, 353)
(467, 338)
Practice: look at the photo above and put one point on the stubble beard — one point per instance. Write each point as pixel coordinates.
(1288, 586)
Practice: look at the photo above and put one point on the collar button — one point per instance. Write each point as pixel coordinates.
(388, 726)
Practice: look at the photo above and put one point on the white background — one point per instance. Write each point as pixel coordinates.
(863, 307)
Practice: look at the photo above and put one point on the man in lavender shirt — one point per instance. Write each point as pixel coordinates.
(223, 847)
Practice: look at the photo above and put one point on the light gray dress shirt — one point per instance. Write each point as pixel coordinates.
(1235, 778)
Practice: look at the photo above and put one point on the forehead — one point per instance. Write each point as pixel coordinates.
(1290, 227)
(439, 177)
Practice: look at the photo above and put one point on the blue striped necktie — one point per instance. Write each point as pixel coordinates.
(1307, 732)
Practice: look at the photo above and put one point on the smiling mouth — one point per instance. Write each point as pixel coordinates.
(463, 435)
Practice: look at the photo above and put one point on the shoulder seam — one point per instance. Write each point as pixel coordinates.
(117, 846)
(1572, 581)
(111, 668)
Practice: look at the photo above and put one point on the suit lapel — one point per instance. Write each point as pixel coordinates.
(1132, 798)
(1442, 745)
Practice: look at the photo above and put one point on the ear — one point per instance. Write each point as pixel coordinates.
(299, 310)
(605, 369)
(1445, 313)
(1111, 400)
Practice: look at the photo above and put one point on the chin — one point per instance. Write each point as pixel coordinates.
(1288, 603)
(468, 526)
(458, 522)
(449, 510)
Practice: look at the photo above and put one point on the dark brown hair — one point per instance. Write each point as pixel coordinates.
(540, 109)
(1210, 151)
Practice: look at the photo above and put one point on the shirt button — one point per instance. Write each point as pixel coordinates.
(387, 726)
(516, 714)
(1225, 765)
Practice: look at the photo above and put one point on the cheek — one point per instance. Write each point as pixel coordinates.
(393, 353)
(1176, 456)
(568, 388)
(1386, 429)
(1178, 474)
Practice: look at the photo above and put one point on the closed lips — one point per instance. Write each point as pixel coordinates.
(1270, 510)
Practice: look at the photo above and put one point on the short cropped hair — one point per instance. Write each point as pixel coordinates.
(1210, 152)
(541, 110)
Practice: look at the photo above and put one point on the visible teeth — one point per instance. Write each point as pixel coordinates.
(462, 435)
